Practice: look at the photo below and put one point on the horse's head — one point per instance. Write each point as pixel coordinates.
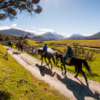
(58, 55)
(39, 51)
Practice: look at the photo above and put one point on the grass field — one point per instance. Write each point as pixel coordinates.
(16, 83)
(89, 43)
(95, 64)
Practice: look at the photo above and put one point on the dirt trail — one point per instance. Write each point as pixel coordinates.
(75, 89)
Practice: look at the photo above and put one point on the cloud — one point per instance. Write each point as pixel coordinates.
(31, 31)
(46, 30)
(14, 25)
(4, 27)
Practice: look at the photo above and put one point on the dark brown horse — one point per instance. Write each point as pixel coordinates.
(10, 44)
(19, 46)
(77, 62)
(48, 56)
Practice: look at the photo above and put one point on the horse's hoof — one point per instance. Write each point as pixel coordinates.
(75, 76)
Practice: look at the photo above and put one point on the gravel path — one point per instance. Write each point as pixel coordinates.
(75, 89)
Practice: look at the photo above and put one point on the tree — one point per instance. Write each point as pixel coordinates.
(9, 8)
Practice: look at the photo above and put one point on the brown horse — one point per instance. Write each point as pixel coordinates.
(48, 56)
(77, 62)
(19, 46)
(10, 44)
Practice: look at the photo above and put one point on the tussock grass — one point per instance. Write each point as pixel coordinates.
(16, 83)
(82, 42)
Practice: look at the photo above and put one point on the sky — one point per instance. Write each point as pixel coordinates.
(61, 16)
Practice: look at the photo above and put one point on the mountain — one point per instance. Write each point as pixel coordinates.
(40, 38)
(95, 36)
(76, 36)
(17, 32)
(52, 35)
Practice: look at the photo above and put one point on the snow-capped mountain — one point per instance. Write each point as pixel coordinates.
(19, 32)
(53, 35)
(76, 36)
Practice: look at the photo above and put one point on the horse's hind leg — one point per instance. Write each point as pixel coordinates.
(50, 63)
(77, 73)
(65, 69)
(84, 76)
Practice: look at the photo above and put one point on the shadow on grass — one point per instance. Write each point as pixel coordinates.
(4, 95)
(44, 70)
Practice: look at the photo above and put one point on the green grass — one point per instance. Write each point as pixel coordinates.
(16, 83)
(95, 64)
(31, 42)
(82, 42)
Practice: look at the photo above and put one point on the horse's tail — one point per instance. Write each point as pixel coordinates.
(86, 65)
(53, 59)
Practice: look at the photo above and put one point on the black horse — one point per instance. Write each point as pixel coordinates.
(48, 56)
(10, 44)
(77, 62)
(19, 46)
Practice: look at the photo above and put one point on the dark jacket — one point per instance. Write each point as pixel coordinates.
(69, 52)
(44, 48)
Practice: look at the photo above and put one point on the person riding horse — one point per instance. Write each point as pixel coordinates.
(69, 53)
(44, 51)
(9, 42)
(19, 42)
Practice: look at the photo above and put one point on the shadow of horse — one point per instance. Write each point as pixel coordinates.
(15, 53)
(80, 91)
(44, 70)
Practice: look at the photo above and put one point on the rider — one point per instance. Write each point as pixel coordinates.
(44, 49)
(69, 52)
(19, 42)
(9, 41)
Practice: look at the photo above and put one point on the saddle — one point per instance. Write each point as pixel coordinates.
(68, 59)
(44, 53)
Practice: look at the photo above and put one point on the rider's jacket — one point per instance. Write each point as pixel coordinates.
(69, 52)
(44, 48)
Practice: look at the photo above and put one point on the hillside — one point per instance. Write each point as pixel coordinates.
(16, 83)
(16, 32)
(6, 36)
(40, 38)
(95, 36)
(76, 36)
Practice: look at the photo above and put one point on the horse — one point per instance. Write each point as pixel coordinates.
(48, 55)
(19, 46)
(77, 62)
(10, 44)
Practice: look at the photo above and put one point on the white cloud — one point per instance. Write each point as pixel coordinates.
(46, 30)
(4, 27)
(31, 31)
(14, 25)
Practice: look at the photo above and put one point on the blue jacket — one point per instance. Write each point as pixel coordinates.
(69, 52)
(45, 48)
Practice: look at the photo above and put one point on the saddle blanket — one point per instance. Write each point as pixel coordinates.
(68, 60)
